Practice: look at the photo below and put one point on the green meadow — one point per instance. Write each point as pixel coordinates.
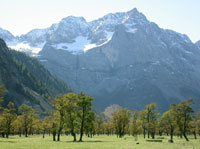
(97, 142)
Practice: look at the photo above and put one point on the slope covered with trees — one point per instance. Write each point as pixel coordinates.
(27, 81)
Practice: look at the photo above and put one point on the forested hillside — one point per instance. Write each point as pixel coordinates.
(27, 81)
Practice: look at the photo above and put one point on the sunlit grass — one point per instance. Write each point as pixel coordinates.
(97, 142)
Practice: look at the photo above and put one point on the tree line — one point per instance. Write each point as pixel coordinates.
(73, 114)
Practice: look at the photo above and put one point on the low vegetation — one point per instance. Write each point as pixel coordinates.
(97, 142)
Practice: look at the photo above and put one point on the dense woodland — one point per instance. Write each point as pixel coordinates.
(27, 80)
(73, 115)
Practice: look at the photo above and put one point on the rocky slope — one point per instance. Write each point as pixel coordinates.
(121, 58)
(198, 44)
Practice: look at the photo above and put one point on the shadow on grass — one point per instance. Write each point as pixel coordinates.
(97, 141)
(88, 141)
(7, 141)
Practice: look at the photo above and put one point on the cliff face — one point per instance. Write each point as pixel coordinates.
(132, 69)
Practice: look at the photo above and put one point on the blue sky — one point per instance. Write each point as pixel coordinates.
(20, 16)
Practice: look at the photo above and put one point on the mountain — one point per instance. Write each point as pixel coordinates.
(6, 35)
(121, 58)
(198, 44)
(74, 34)
(27, 81)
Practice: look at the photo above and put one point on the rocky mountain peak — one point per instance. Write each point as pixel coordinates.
(72, 31)
(135, 16)
(198, 44)
(6, 35)
(73, 22)
(73, 19)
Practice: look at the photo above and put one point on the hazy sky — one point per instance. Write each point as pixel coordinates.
(20, 16)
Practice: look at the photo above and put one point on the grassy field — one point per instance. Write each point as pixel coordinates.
(97, 142)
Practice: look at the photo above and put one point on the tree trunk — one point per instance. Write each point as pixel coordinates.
(144, 133)
(120, 135)
(58, 137)
(81, 136)
(171, 135)
(148, 135)
(8, 131)
(74, 135)
(181, 136)
(54, 131)
(6, 135)
(43, 134)
(30, 131)
(26, 132)
(81, 132)
(54, 136)
(153, 135)
(160, 132)
(185, 137)
(82, 125)
(195, 135)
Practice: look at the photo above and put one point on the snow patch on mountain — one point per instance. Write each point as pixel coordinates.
(81, 44)
(25, 47)
(89, 46)
(188, 52)
(77, 47)
(130, 28)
